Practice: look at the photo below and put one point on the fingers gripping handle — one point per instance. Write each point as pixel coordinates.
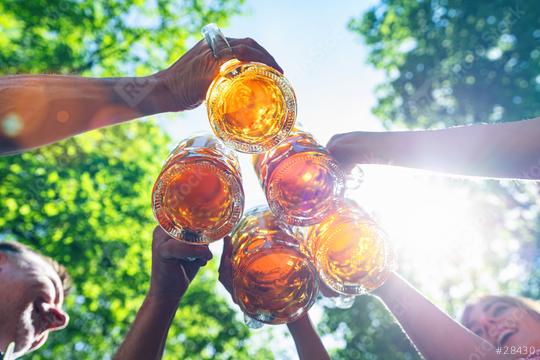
(218, 43)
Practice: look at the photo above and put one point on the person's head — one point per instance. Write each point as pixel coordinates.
(32, 291)
(504, 320)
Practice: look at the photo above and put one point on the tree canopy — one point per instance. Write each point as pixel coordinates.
(451, 62)
(105, 37)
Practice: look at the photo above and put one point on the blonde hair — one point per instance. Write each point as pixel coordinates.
(531, 306)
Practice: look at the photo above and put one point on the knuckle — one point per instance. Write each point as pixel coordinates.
(241, 48)
(250, 41)
(233, 42)
(333, 141)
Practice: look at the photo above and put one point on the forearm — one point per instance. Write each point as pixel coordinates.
(508, 150)
(432, 331)
(41, 109)
(147, 336)
(307, 341)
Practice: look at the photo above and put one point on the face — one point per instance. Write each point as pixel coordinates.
(31, 306)
(503, 324)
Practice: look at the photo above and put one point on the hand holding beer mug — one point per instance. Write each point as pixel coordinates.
(273, 281)
(351, 252)
(251, 106)
(198, 196)
(302, 182)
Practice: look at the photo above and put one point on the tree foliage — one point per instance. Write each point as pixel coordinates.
(368, 331)
(101, 37)
(453, 62)
(86, 201)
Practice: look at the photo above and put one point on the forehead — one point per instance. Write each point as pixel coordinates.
(483, 307)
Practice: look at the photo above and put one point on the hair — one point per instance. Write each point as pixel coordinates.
(19, 249)
(530, 306)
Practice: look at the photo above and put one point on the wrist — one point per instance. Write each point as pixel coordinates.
(151, 94)
(371, 148)
(384, 291)
(165, 295)
(300, 325)
(162, 300)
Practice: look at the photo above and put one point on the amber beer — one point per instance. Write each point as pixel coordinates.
(350, 251)
(274, 281)
(302, 182)
(251, 106)
(198, 196)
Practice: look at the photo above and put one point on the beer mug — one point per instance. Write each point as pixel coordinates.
(274, 281)
(350, 251)
(302, 182)
(251, 106)
(198, 196)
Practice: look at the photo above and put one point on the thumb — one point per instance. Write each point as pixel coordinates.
(227, 245)
(227, 250)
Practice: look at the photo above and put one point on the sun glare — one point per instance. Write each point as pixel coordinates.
(434, 224)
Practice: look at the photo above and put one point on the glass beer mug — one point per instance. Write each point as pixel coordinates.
(302, 182)
(351, 252)
(251, 106)
(274, 281)
(198, 196)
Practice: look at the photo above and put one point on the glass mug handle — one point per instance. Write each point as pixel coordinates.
(9, 352)
(217, 42)
(354, 179)
(343, 301)
(252, 323)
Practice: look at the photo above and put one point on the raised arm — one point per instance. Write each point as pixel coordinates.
(36, 110)
(171, 276)
(308, 343)
(506, 150)
(431, 330)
